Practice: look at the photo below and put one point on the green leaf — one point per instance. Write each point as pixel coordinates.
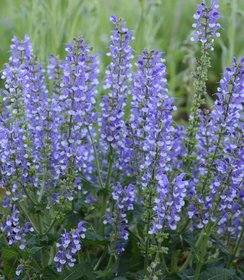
(219, 273)
(34, 250)
(9, 253)
(220, 245)
(187, 274)
(78, 271)
(10, 258)
(49, 273)
(108, 273)
(94, 238)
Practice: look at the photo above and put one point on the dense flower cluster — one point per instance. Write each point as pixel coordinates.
(124, 198)
(151, 118)
(13, 231)
(118, 74)
(13, 150)
(169, 203)
(206, 26)
(73, 107)
(59, 156)
(220, 146)
(69, 245)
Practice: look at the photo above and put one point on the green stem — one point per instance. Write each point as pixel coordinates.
(96, 158)
(236, 247)
(203, 253)
(54, 219)
(111, 160)
(146, 262)
(174, 261)
(110, 260)
(44, 257)
(51, 256)
(31, 219)
(189, 258)
(107, 187)
(164, 264)
(29, 196)
(43, 186)
(99, 260)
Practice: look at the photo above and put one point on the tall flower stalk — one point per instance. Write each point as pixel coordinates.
(206, 30)
(112, 124)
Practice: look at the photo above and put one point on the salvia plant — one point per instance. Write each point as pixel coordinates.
(98, 181)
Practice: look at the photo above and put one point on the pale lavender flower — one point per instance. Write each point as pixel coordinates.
(151, 117)
(117, 76)
(13, 231)
(15, 75)
(124, 198)
(69, 245)
(19, 269)
(206, 26)
(220, 157)
(73, 108)
(169, 202)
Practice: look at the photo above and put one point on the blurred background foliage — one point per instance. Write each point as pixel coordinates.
(158, 24)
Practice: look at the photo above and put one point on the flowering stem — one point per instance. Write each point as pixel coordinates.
(29, 196)
(110, 260)
(107, 185)
(51, 255)
(43, 186)
(99, 260)
(29, 217)
(111, 159)
(200, 80)
(54, 219)
(96, 158)
(174, 261)
(203, 252)
(189, 258)
(219, 139)
(236, 247)
(147, 230)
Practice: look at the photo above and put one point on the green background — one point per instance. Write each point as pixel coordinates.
(158, 24)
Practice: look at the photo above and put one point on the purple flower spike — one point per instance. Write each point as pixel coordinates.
(220, 153)
(124, 198)
(206, 26)
(151, 118)
(117, 76)
(73, 108)
(69, 245)
(14, 232)
(169, 203)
